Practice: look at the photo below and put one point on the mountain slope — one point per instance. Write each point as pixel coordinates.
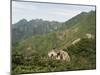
(62, 38)
(24, 29)
(31, 54)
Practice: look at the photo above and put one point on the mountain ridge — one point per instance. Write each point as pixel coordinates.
(65, 37)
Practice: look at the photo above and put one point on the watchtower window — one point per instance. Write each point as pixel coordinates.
(58, 54)
(51, 55)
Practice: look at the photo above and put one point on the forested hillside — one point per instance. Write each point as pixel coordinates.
(36, 38)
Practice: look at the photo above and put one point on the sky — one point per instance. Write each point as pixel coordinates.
(46, 11)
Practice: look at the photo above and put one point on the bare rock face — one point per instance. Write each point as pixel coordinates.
(59, 55)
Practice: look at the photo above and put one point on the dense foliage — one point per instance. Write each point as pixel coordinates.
(83, 56)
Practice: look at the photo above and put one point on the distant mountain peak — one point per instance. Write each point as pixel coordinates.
(23, 20)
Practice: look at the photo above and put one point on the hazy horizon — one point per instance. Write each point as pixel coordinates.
(46, 11)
